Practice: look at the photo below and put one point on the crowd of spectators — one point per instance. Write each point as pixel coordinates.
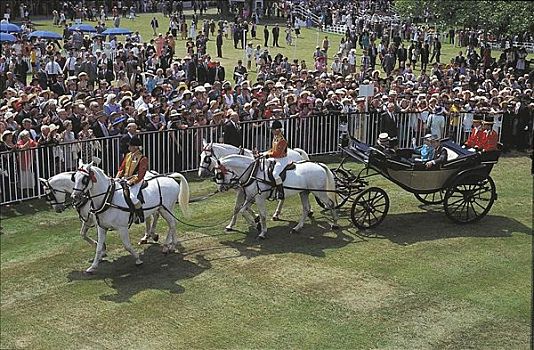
(60, 95)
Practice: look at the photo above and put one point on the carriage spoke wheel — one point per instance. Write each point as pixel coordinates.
(343, 188)
(369, 208)
(431, 198)
(470, 198)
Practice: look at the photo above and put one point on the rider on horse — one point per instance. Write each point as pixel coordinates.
(132, 170)
(278, 151)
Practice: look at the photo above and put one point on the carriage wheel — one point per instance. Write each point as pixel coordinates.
(470, 198)
(342, 179)
(431, 198)
(369, 208)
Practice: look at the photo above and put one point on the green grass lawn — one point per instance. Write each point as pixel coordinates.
(302, 50)
(418, 281)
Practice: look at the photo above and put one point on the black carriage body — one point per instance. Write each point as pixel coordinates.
(463, 184)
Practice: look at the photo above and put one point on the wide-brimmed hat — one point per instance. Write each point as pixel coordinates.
(383, 137)
(5, 133)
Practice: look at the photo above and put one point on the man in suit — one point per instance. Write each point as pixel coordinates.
(232, 131)
(219, 42)
(440, 153)
(239, 71)
(131, 129)
(276, 34)
(59, 87)
(216, 73)
(266, 36)
(388, 124)
(100, 126)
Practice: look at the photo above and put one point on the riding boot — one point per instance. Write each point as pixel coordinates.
(139, 213)
(139, 216)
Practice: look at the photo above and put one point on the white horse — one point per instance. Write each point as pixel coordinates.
(220, 150)
(252, 176)
(58, 186)
(111, 210)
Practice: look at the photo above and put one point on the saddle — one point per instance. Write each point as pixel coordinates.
(288, 167)
(135, 214)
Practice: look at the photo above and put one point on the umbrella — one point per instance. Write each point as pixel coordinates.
(7, 37)
(82, 28)
(45, 35)
(116, 31)
(9, 28)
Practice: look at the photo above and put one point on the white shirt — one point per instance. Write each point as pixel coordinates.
(53, 67)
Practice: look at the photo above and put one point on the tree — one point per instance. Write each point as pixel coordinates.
(499, 17)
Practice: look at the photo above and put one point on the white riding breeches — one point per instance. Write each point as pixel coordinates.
(134, 191)
(280, 164)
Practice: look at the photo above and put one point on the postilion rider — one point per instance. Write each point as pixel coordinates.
(279, 152)
(132, 170)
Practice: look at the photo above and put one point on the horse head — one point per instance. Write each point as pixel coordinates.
(84, 178)
(56, 189)
(206, 166)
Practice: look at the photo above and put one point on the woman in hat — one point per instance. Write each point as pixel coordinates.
(435, 123)
(279, 152)
(27, 176)
(86, 146)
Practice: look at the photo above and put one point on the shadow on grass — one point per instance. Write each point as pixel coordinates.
(314, 239)
(159, 271)
(24, 208)
(410, 228)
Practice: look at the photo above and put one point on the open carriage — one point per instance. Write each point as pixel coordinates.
(463, 184)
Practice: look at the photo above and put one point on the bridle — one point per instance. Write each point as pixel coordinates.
(50, 194)
(235, 180)
(206, 162)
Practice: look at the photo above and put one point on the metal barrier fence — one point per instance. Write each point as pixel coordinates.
(179, 150)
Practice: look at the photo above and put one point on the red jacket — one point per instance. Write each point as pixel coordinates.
(489, 139)
(475, 138)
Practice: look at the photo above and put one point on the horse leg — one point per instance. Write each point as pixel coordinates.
(99, 248)
(278, 211)
(153, 234)
(305, 205)
(85, 237)
(335, 217)
(125, 238)
(239, 200)
(148, 233)
(170, 240)
(260, 203)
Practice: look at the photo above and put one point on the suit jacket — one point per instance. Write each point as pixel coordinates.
(440, 156)
(97, 130)
(59, 89)
(388, 124)
(219, 40)
(232, 134)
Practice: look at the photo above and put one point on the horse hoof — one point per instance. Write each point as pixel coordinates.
(310, 214)
(334, 226)
(229, 229)
(294, 231)
(261, 236)
(165, 250)
(276, 218)
(89, 272)
(156, 238)
(138, 263)
(257, 219)
(143, 241)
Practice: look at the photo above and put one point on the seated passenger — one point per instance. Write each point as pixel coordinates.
(474, 140)
(489, 137)
(440, 153)
(382, 144)
(425, 151)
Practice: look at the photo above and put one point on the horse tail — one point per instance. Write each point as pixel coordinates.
(183, 197)
(330, 185)
(302, 153)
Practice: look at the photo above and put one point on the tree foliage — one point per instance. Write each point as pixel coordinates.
(500, 16)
